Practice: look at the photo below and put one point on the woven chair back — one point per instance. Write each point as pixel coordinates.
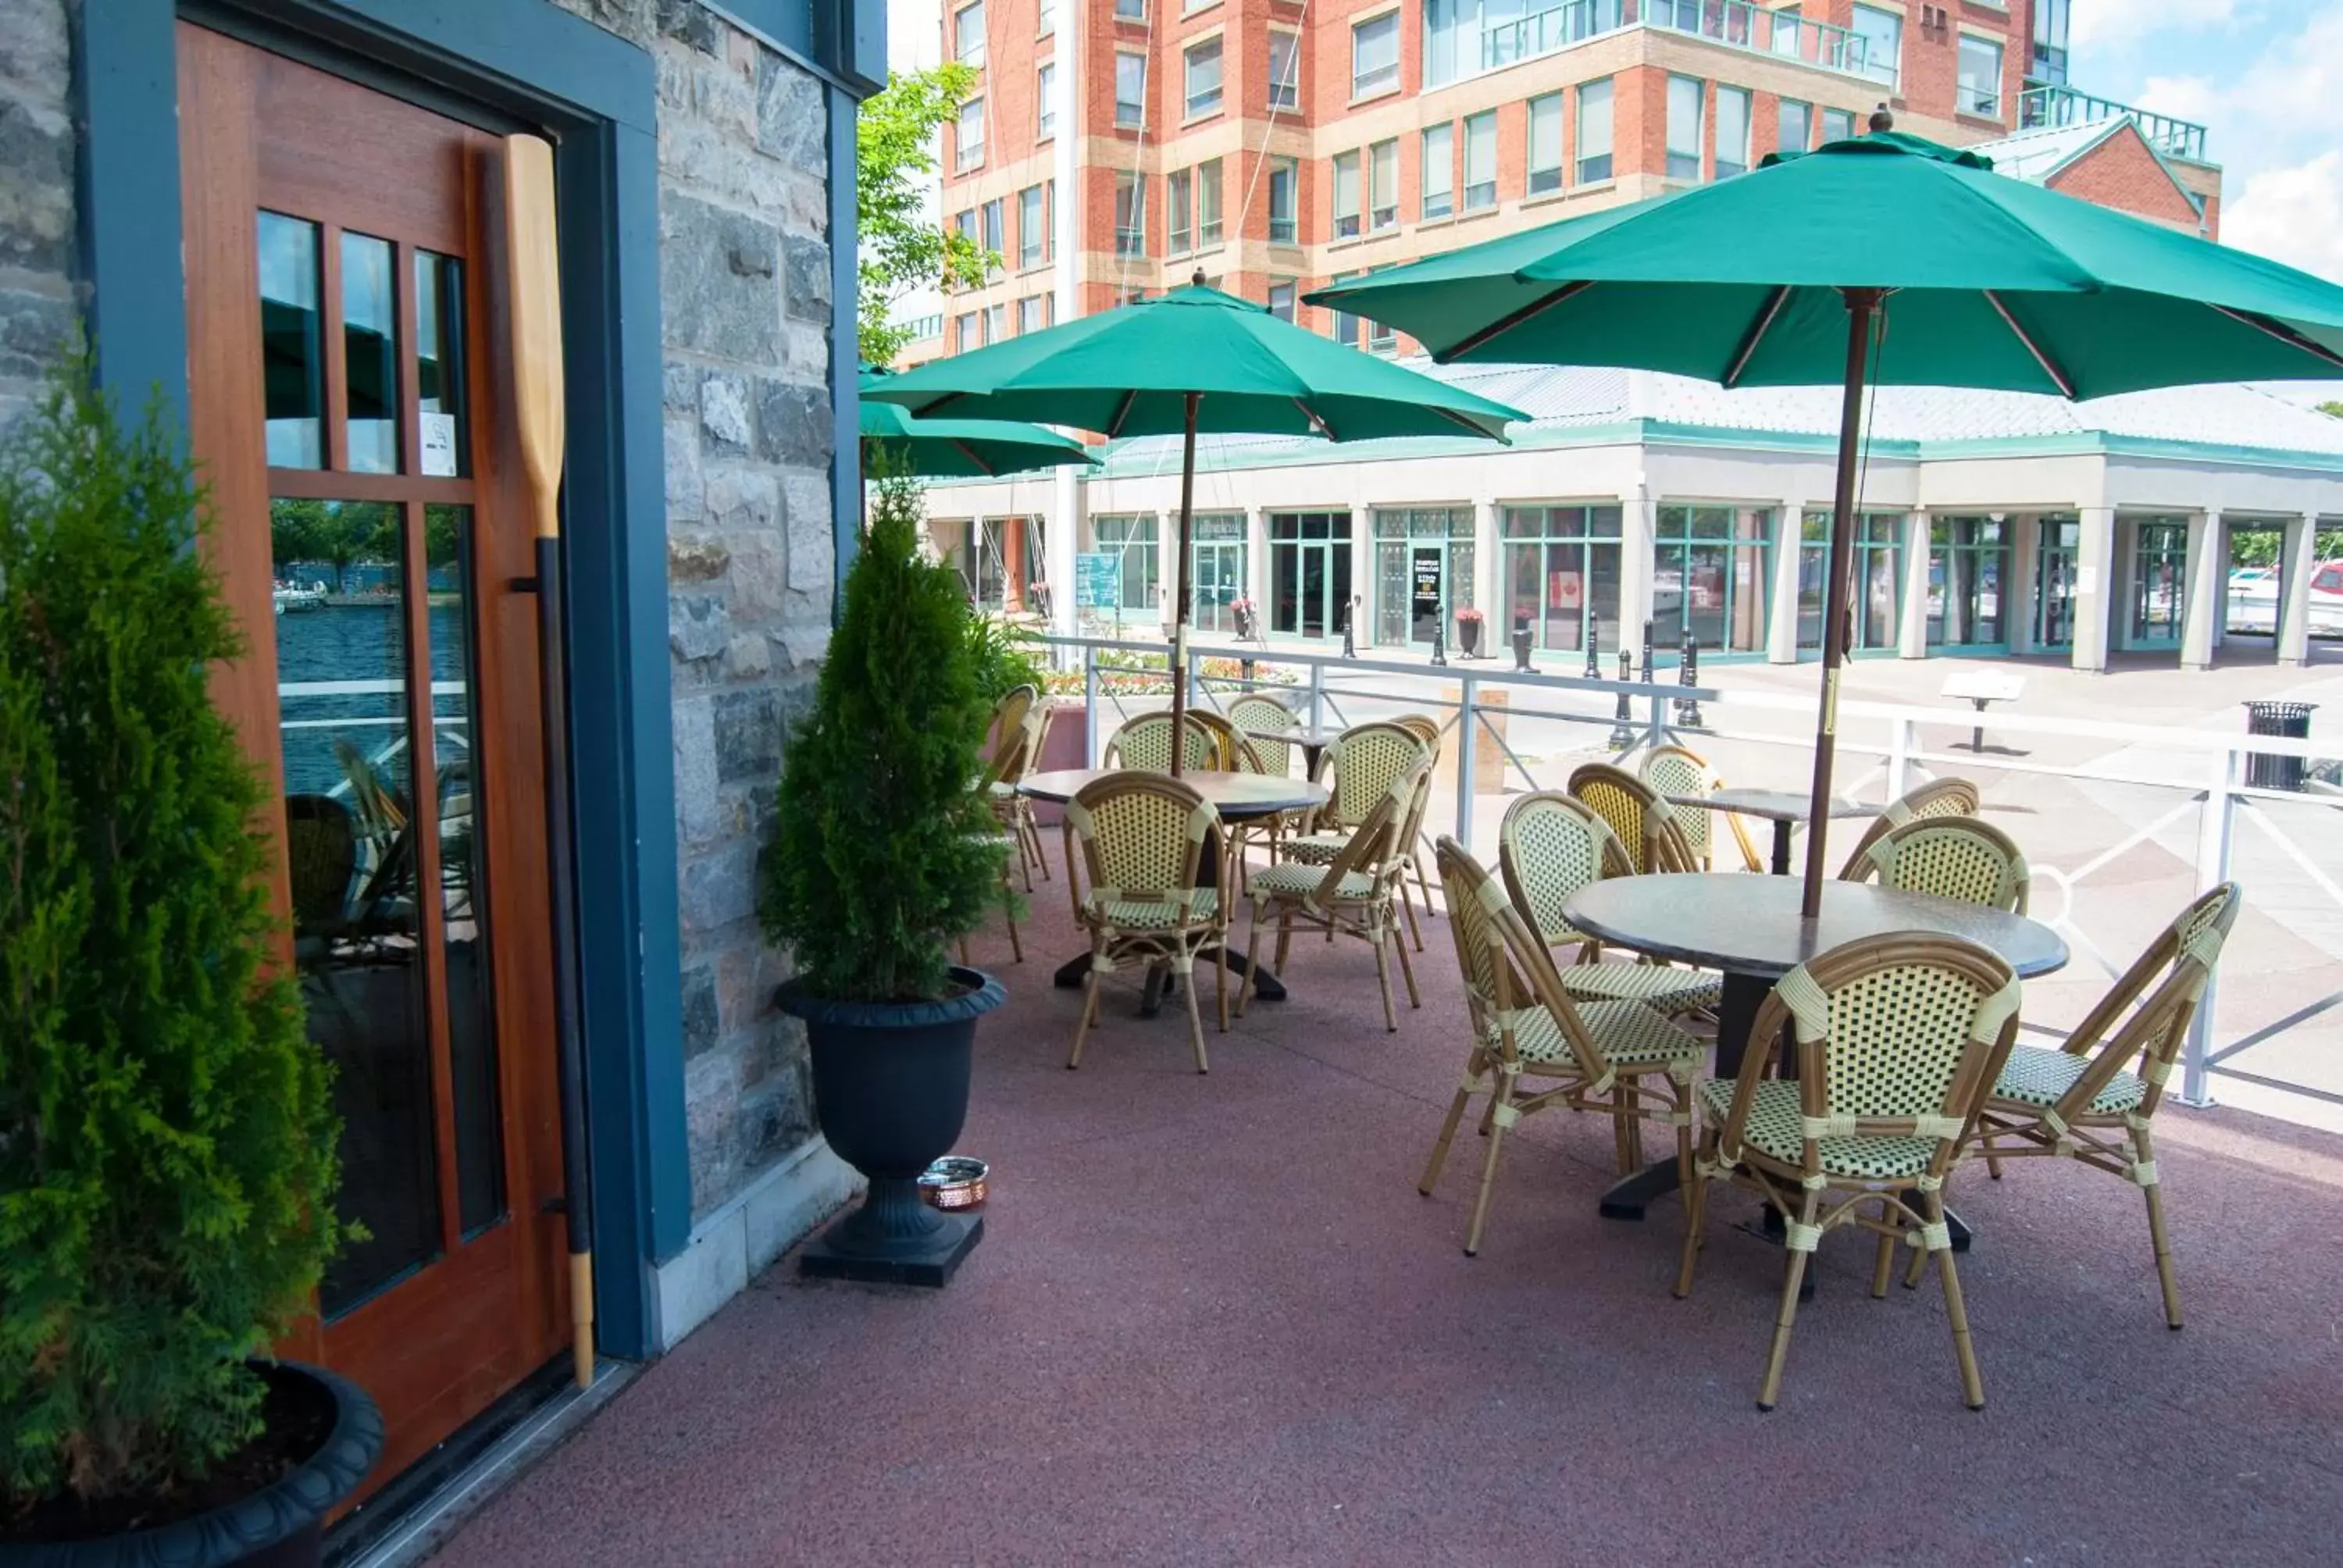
(1506, 968)
(1550, 846)
(1961, 857)
(1674, 771)
(1252, 713)
(1141, 833)
(1016, 746)
(1231, 746)
(1009, 713)
(1367, 758)
(1646, 825)
(2148, 1035)
(1375, 845)
(1936, 798)
(1898, 1037)
(1145, 743)
(1425, 727)
(321, 859)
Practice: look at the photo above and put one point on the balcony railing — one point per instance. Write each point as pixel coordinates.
(1737, 24)
(2042, 106)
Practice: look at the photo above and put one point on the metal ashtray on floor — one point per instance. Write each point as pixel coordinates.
(955, 1181)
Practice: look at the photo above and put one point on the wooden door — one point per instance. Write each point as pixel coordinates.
(350, 415)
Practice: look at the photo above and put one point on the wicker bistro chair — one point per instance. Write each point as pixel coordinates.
(1253, 712)
(1649, 828)
(1618, 1056)
(1937, 798)
(1356, 894)
(1366, 759)
(1142, 840)
(1899, 1038)
(2091, 1100)
(1954, 858)
(1418, 847)
(1018, 748)
(1549, 847)
(1012, 845)
(1674, 770)
(1145, 743)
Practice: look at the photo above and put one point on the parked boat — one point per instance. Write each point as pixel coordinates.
(293, 597)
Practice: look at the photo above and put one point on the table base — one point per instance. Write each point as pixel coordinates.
(1266, 986)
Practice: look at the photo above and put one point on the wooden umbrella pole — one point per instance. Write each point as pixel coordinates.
(534, 258)
(1179, 594)
(1861, 304)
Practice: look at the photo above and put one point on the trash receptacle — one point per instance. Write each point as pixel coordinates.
(2290, 721)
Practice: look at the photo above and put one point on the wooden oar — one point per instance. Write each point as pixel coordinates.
(535, 262)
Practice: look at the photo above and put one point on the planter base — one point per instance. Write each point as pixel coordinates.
(931, 1259)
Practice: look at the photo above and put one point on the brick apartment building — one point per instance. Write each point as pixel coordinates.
(1278, 145)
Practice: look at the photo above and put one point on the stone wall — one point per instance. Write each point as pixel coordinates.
(38, 300)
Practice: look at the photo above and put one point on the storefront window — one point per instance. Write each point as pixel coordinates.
(1878, 580)
(1968, 562)
(1216, 558)
(2059, 540)
(1562, 569)
(1133, 539)
(1424, 570)
(1709, 576)
(2159, 580)
(1309, 572)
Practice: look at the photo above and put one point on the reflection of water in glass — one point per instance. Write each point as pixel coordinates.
(333, 644)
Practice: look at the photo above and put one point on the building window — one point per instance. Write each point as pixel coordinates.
(1382, 337)
(1281, 301)
(1980, 77)
(1032, 228)
(1439, 173)
(1709, 576)
(1309, 572)
(1732, 132)
(1216, 569)
(1284, 200)
(1129, 215)
(968, 34)
(1179, 202)
(1204, 78)
(964, 335)
(1968, 563)
(1383, 186)
(1480, 161)
(1032, 313)
(1374, 55)
(1561, 570)
(1451, 41)
(1880, 35)
(1594, 132)
(971, 139)
(1208, 203)
(1878, 595)
(1345, 325)
(1284, 70)
(1131, 10)
(1838, 125)
(995, 219)
(2050, 42)
(1794, 130)
(1049, 18)
(1132, 538)
(1545, 144)
(1346, 195)
(1684, 128)
(996, 322)
(1130, 90)
(1045, 93)
(2159, 580)
(1788, 28)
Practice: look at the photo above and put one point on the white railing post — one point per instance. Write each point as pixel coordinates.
(1093, 743)
(1317, 694)
(1656, 731)
(1467, 742)
(2216, 831)
(1903, 736)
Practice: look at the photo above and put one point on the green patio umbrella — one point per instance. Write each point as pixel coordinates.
(1884, 258)
(1194, 360)
(959, 448)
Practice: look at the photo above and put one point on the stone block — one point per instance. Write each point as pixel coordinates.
(717, 890)
(807, 297)
(682, 433)
(759, 579)
(749, 658)
(724, 417)
(793, 424)
(793, 121)
(698, 627)
(748, 736)
(720, 280)
(695, 560)
(37, 195)
(741, 500)
(636, 21)
(691, 24)
(701, 813)
(34, 46)
(702, 1019)
(812, 542)
(37, 331)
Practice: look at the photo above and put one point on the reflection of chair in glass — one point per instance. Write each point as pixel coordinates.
(1647, 826)
(1899, 1040)
(2090, 1099)
(1619, 1057)
(1548, 848)
(1961, 858)
(1145, 743)
(1141, 841)
(1674, 770)
(321, 863)
(1937, 798)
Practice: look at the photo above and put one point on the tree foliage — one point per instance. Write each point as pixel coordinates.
(903, 249)
(885, 850)
(168, 1148)
(2334, 408)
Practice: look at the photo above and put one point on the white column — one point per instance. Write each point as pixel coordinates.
(1782, 629)
(1066, 241)
(2294, 582)
(1635, 565)
(2095, 588)
(1912, 630)
(2018, 608)
(2223, 563)
(1167, 569)
(2207, 584)
(1257, 563)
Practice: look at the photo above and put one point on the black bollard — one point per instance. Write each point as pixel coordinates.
(1594, 636)
(1440, 640)
(1349, 649)
(1623, 718)
(1521, 642)
(1647, 665)
(1688, 674)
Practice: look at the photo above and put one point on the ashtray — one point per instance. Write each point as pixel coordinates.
(954, 1182)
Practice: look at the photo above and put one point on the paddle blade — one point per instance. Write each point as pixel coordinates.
(535, 260)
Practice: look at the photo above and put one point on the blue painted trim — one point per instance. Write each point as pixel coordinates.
(845, 363)
(129, 199)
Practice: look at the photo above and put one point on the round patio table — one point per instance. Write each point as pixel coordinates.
(1237, 797)
(1313, 742)
(1750, 928)
(1785, 808)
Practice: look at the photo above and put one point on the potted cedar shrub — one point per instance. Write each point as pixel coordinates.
(1468, 631)
(884, 852)
(167, 1148)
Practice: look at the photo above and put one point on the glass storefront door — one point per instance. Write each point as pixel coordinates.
(1217, 569)
(1968, 559)
(1424, 570)
(1309, 572)
(2059, 543)
(2159, 581)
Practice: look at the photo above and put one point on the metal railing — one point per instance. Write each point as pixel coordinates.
(1737, 24)
(2139, 799)
(2039, 107)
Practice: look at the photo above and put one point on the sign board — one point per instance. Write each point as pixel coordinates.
(1983, 686)
(1098, 579)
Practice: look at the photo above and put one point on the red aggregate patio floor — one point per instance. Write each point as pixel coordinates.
(1211, 1321)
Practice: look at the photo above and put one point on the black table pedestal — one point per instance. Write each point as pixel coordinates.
(1266, 986)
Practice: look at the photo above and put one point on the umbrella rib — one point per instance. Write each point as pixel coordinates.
(965, 450)
(1316, 420)
(1506, 323)
(2283, 332)
(2050, 367)
(1756, 333)
(1122, 412)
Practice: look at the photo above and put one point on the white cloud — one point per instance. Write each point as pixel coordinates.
(2183, 97)
(2101, 23)
(2294, 214)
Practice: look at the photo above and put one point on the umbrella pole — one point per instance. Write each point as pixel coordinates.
(1861, 304)
(1179, 594)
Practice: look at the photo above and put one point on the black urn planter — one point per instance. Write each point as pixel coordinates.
(1468, 638)
(890, 1092)
(282, 1526)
